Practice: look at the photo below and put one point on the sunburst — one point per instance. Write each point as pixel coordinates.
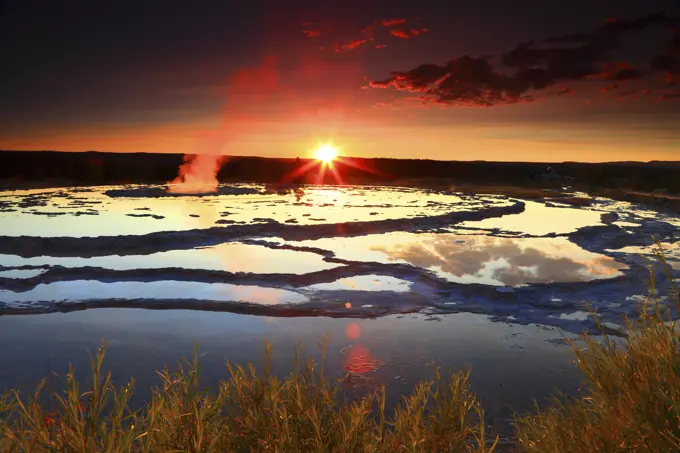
(326, 153)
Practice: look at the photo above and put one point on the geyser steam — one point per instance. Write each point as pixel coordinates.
(197, 174)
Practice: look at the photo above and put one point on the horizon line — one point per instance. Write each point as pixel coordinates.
(351, 157)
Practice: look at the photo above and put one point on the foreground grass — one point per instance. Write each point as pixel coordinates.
(630, 403)
(251, 411)
(631, 400)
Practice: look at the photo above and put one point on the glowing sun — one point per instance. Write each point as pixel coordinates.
(326, 153)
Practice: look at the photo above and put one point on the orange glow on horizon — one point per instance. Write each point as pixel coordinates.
(287, 138)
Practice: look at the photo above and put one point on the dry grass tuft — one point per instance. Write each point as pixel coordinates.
(252, 411)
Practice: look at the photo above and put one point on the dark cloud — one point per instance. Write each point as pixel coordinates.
(418, 79)
(570, 37)
(668, 96)
(669, 64)
(466, 80)
(665, 63)
(536, 65)
(617, 26)
(673, 45)
(625, 74)
(585, 59)
(618, 72)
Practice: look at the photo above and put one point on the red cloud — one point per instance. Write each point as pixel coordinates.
(312, 33)
(400, 34)
(313, 30)
(405, 34)
(344, 43)
(348, 45)
(392, 22)
(353, 44)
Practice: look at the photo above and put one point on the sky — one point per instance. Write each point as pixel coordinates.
(508, 80)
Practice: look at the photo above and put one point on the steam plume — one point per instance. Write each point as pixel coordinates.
(197, 174)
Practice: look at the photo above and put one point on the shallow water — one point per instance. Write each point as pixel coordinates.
(92, 213)
(337, 251)
(366, 283)
(511, 364)
(670, 251)
(87, 290)
(488, 260)
(228, 257)
(539, 219)
(20, 273)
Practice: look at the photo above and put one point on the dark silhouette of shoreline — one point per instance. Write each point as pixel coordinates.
(41, 168)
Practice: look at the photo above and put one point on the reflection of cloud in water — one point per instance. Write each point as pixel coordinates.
(503, 261)
(253, 294)
(228, 257)
(80, 290)
(366, 283)
(21, 273)
(671, 252)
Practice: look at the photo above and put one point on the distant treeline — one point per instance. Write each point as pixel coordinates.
(115, 168)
